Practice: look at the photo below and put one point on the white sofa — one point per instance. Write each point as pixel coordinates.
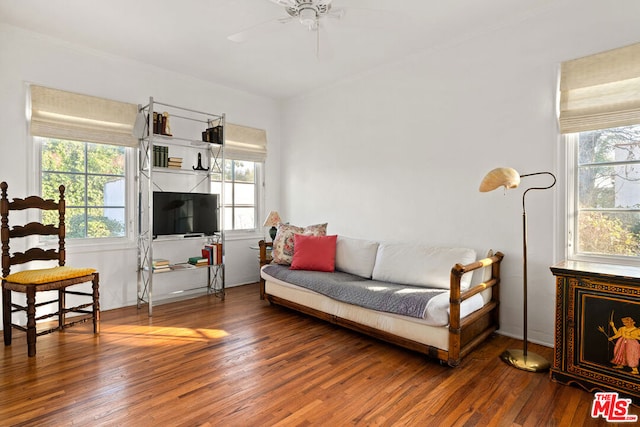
(462, 312)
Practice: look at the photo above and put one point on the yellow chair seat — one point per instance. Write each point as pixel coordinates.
(46, 275)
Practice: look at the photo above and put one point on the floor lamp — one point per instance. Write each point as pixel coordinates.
(510, 178)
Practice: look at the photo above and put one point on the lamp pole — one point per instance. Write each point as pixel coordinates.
(516, 358)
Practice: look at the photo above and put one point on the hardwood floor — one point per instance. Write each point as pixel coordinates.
(242, 362)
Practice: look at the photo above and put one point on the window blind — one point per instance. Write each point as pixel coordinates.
(245, 143)
(600, 91)
(67, 115)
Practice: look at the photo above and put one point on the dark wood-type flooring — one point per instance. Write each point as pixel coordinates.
(242, 362)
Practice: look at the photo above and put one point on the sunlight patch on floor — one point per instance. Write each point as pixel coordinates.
(147, 334)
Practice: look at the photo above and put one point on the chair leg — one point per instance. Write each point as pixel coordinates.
(61, 305)
(6, 315)
(31, 321)
(96, 303)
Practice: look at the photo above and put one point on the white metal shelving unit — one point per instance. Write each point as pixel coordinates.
(187, 126)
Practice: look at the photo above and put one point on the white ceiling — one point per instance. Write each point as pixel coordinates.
(190, 36)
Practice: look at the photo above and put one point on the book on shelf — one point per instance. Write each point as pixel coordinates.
(198, 261)
(161, 124)
(160, 265)
(160, 262)
(213, 252)
(174, 162)
(160, 156)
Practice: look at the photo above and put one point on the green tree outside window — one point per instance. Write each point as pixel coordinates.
(94, 178)
(608, 192)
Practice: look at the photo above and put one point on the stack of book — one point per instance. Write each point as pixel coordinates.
(160, 156)
(174, 162)
(161, 124)
(161, 265)
(213, 251)
(198, 261)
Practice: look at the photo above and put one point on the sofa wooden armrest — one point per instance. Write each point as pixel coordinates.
(467, 333)
(265, 258)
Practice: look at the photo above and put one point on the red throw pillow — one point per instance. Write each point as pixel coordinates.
(317, 253)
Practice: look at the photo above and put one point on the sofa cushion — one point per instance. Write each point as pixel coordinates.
(420, 265)
(356, 256)
(316, 253)
(283, 244)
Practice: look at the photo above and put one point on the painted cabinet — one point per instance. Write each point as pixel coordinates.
(597, 327)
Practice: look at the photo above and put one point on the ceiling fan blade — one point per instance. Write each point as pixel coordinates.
(336, 13)
(262, 28)
(285, 3)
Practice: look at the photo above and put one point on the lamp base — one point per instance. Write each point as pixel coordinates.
(531, 362)
(272, 232)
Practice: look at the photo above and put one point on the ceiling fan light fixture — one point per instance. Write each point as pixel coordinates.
(308, 17)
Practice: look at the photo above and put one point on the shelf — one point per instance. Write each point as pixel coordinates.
(185, 266)
(157, 169)
(181, 122)
(159, 139)
(181, 171)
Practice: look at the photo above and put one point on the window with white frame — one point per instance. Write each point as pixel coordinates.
(240, 202)
(94, 176)
(605, 192)
(245, 152)
(599, 116)
(84, 143)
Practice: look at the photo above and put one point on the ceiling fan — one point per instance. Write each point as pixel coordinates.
(309, 13)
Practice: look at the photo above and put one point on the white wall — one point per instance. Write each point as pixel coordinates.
(28, 57)
(398, 153)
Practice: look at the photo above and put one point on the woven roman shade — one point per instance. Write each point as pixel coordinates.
(67, 115)
(245, 143)
(600, 91)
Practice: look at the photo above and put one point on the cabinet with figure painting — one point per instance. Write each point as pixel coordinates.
(597, 330)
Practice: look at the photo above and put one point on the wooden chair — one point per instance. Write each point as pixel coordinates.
(31, 281)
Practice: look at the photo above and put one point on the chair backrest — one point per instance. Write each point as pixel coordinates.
(8, 232)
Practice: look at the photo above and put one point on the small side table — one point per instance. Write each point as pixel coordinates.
(265, 258)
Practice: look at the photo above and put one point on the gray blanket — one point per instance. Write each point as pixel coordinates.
(381, 296)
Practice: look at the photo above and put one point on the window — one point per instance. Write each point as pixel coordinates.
(85, 143)
(95, 182)
(246, 151)
(240, 194)
(599, 114)
(605, 193)
(606, 196)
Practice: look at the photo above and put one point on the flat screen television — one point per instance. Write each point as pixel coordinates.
(185, 213)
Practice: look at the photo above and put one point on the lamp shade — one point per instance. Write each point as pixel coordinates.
(500, 177)
(272, 220)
